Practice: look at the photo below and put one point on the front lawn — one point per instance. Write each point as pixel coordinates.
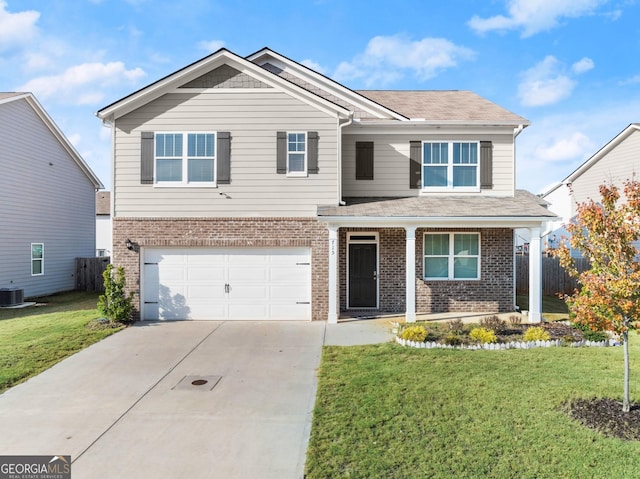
(394, 412)
(35, 338)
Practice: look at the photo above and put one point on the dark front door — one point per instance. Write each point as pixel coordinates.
(363, 271)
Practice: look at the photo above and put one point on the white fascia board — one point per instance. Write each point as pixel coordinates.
(602, 152)
(63, 140)
(323, 82)
(193, 71)
(437, 222)
(416, 128)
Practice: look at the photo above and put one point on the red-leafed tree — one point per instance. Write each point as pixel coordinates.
(609, 298)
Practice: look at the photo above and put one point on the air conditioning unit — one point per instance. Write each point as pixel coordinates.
(11, 296)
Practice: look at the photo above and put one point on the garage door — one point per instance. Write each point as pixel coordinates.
(227, 284)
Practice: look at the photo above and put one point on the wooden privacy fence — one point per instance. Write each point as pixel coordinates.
(89, 273)
(554, 278)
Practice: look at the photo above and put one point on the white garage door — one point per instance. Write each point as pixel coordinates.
(222, 284)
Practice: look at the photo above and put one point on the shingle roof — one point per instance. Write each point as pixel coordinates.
(447, 105)
(103, 203)
(4, 95)
(522, 205)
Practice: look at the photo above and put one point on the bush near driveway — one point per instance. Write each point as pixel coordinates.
(35, 338)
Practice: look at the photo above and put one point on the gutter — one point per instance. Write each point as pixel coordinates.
(349, 121)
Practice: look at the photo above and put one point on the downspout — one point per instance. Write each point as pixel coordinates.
(340, 127)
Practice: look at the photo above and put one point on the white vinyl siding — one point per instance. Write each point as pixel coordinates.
(392, 163)
(45, 198)
(252, 117)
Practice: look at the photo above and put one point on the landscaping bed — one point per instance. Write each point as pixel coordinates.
(495, 333)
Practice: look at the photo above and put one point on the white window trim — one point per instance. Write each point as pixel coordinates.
(304, 172)
(450, 166)
(185, 161)
(451, 256)
(41, 273)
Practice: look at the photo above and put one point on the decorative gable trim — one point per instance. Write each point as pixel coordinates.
(196, 70)
(225, 77)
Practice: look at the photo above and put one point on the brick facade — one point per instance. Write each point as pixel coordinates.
(225, 233)
(493, 292)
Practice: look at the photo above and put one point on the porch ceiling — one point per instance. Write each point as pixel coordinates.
(524, 206)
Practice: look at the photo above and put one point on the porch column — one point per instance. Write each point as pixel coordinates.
(410, 278)
(333, 275)
(535, 276)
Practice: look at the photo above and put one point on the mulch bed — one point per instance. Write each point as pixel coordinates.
(606, 417)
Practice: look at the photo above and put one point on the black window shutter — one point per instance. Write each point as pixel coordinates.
(415, 164)
(486, 165)
(312, 153)
(146, 158)
(223, 158)
(281, 153)
(364, 160)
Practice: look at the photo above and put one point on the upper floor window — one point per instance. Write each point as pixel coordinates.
(450, 165)
(185, 158)
(296, 154)
(452, 256)
(37, 259)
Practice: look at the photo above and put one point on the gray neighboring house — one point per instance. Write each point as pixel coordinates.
(103, 223)
(256, 188)
(614, 163)
(47, 200)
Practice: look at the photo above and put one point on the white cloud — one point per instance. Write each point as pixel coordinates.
(534, 16)
(314, 66)
(583, 65)
(211, 45)
(565, 147)
(386, 58)
(16, 28)
(83, 84)
(545, 83)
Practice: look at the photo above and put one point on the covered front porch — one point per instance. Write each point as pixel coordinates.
(398, 256)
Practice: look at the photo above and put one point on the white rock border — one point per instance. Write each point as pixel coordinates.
(509, 345)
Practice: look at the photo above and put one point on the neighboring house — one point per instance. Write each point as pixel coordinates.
(616, 162)
(103, 223)
(256, 188)
(47, 200)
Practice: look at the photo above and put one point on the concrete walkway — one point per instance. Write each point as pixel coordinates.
(126, 406)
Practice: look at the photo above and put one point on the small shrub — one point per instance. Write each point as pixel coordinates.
(515, 319)
(414, 333)
(456, 326)
(597, 336)
(568, 339)
(483, 335)
(580, 327)
(115, 304)
(494, 323)
(536, 333)
(453, 339)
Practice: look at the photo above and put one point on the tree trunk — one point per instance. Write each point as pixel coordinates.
(626, 405)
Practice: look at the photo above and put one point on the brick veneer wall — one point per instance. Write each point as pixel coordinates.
(493, 292)
(225, 233)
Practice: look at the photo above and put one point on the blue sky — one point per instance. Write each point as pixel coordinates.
(572, 67)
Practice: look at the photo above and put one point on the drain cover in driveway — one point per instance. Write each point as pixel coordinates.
(197, 383)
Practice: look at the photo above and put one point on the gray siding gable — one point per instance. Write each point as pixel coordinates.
(46, 198)
(225, 76)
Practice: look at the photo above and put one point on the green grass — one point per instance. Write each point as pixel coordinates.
(386, 411)
(35, 338)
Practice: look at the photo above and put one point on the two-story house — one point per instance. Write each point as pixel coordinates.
(256, 188)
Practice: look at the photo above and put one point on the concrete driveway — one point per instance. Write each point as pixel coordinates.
(127, 407)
